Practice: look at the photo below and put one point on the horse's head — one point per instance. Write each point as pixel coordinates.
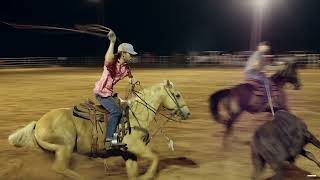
(174, 101)
(287, 75)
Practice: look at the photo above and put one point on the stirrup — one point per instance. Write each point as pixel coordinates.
(107, 145)
(114, 143)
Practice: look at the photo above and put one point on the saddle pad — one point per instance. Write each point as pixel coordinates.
(259, 88)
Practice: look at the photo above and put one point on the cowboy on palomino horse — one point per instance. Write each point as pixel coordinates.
(115, 68)
(254, 95)
(61, 132)
(67, 130)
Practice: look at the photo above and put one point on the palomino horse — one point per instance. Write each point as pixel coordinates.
(243, 97)
(60, 132)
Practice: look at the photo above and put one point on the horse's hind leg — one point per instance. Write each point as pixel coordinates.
(234, 110)
(310, 156)
(229, 129)
(232, 120)
(62, 153)
(62, 160)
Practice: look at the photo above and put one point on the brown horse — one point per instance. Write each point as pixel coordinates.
(242, 97)
(60, 132)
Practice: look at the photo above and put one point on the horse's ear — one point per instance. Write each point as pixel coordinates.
(167, 83)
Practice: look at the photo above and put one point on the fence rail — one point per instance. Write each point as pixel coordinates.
(306, 60)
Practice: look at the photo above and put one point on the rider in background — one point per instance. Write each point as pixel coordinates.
(256, 64)
(256, 68)
(115, 68)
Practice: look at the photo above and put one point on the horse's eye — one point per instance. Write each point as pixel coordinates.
(178, 95)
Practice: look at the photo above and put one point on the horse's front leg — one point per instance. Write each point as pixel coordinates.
(131, 164)
(281, 101)
(132, 168)
(138, 147)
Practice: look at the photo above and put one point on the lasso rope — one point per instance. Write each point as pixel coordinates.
(92, 29)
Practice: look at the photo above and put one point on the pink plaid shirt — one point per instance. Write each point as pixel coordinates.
(111, 74)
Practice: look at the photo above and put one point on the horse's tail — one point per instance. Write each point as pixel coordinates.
(46, 145)
(313, 140)
(23, 137)
(214, 101)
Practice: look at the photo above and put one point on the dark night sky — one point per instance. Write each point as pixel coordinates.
(162, 27)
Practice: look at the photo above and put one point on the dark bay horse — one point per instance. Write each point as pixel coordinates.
(246, 97)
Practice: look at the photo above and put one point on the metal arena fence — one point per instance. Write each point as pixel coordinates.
(180, 60)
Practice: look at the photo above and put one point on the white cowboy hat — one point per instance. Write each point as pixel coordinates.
(126, 47)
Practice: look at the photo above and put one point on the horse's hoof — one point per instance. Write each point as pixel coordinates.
(146, 177)
(68, 173)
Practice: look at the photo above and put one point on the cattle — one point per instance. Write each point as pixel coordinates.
(280, 140)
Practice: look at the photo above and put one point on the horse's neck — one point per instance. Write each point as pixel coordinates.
(278, 78)
(281, 77)
(143, 111)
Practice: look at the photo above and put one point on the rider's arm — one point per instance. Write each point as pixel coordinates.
(256, 65)
(109, 56)
(131, 80)
(277, 67)
(254, 62)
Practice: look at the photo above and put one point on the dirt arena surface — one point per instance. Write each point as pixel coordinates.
(26, 94)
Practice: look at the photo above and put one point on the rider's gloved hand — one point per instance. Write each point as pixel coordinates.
(131, 84)
(112, 36)
(131, 81)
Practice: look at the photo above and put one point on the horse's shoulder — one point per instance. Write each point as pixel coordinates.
(60, 110)
(252, 82)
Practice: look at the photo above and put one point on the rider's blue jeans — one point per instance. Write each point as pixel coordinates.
(114, 114)
(251, 74)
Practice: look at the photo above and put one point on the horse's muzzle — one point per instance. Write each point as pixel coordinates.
(182, 114)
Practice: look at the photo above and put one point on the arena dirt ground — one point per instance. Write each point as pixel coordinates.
(26, 94)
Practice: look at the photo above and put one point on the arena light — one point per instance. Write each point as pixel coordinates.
(94, 1)
(261, 4)
(259, 9)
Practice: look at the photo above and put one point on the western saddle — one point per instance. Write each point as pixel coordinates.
(98, 114)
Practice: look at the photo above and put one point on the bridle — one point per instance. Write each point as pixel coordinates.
(151, 108)
(175, 100)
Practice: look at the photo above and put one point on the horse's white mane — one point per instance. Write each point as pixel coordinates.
(149, 90)
(167, 82)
